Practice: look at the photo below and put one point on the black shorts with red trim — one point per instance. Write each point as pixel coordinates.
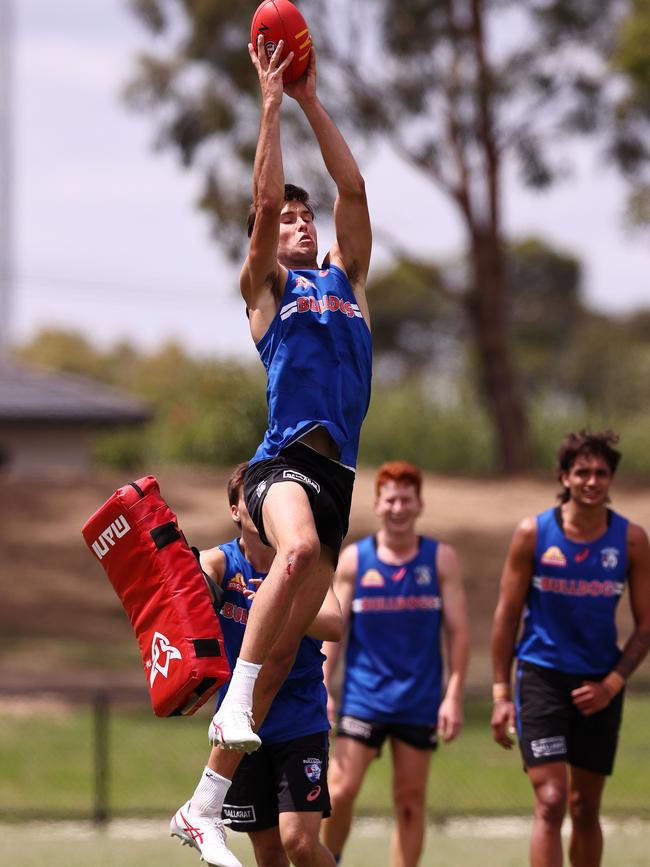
(289, 777)
(551, 728)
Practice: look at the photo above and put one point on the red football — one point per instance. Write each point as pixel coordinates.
(279, 19)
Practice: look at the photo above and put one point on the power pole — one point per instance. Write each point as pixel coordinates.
(6, 175)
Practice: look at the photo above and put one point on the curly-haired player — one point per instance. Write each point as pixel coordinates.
(566, 571)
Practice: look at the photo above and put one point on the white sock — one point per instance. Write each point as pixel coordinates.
(210, 793)
(242, 683)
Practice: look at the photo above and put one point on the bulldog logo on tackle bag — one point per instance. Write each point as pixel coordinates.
(158, 578)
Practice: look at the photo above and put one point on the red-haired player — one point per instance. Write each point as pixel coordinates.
(400, 594)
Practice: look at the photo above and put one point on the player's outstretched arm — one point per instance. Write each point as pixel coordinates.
(344, 582)
(456, 636)
(351, 218)
(260, 271)
(515, 581)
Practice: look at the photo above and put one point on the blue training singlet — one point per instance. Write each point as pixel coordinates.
(570, 616)
(393, 669)
(300, 707)
(318, 357)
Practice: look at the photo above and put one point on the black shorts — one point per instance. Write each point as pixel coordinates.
(550, 727)
(327, 483)
(373, 734)
(290, 777)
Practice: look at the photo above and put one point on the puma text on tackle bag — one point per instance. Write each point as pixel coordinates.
(136, 538)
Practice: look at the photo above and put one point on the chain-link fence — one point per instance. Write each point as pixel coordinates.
(102, 754)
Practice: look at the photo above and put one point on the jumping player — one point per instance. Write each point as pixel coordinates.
(401, 594)
(278, 794)
(310, 327)
(566, 571)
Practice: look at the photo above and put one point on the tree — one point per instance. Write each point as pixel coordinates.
(546, 312)
(416, 326)
(631, 58)
(422, 326)
(455, 87)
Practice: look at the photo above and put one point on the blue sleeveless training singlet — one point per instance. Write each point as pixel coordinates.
(300, 707)
(393, 670)
(318, 357)
(570, 616)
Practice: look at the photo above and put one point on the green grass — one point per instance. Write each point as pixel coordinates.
(147, 844)
(47, 766)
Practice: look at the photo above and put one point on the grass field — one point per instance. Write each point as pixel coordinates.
(47, 761)
(137, 843)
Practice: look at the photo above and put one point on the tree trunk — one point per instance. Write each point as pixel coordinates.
(488, 312)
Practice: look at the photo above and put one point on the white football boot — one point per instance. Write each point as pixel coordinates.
(231, 728)
(205, 833)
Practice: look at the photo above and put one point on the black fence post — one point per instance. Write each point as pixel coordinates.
(101, 712)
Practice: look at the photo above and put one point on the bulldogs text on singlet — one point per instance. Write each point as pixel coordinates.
(570, 615)
(393, 669)
(318, 357)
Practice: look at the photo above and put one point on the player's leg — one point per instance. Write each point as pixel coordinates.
(410, 773)
(302, 610)
(302, 796)
(289, 526)
(268, 848)
(299, 834)
(592, 750)
(198, 823)
(549, 783)
(585, 794)
(348, 766)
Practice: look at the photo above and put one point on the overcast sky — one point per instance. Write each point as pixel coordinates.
(107, 240)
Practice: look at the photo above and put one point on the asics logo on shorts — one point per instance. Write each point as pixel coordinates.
(294, 476)
(259, 490)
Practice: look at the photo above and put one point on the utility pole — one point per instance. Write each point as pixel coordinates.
(6, 176)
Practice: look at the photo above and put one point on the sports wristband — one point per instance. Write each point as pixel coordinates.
(500, 692)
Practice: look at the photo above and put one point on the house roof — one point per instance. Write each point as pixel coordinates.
(29, 395)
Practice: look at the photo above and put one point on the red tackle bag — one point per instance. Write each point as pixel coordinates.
(136, 538)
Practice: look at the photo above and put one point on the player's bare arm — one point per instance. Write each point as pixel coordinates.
(344, 581)
(638, 644)
(515, 581)
(594, 696)
(353, 245)
(262, 278)
(456, 637)
(328, 623)
(213, 563)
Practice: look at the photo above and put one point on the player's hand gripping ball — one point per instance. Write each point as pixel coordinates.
(279, 19)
